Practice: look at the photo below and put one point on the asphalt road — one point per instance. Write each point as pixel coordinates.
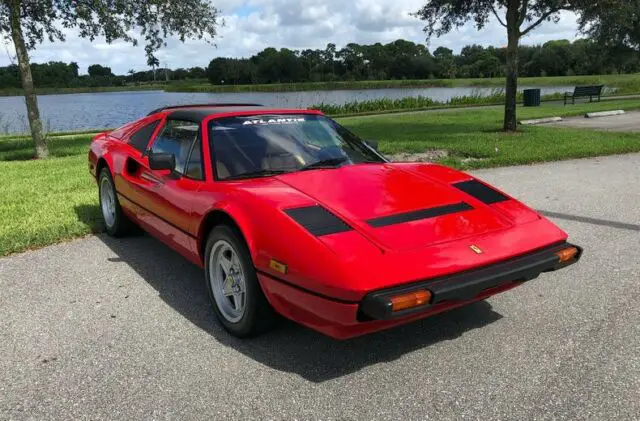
(121, 329)
(628, 122)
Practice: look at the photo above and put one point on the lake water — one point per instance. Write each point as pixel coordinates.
(112, 109)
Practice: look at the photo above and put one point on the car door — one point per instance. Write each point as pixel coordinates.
(163, 198)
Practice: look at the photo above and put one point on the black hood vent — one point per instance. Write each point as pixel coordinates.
(317, 220)
(481, 191)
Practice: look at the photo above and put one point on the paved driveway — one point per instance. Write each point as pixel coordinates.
(121, 329)
(628, 122)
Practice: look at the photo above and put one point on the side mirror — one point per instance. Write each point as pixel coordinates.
(373, 144)
(162, 161)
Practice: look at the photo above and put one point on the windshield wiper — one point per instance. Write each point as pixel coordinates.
(258, 173)
(325, 163)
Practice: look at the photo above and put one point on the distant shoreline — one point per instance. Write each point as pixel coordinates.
(623, 83)
(83, 90)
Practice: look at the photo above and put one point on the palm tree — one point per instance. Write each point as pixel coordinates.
(153, 62)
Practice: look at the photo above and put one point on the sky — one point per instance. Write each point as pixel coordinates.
(252, 25)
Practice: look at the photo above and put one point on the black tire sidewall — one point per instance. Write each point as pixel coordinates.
(116, 229)
(257, 312)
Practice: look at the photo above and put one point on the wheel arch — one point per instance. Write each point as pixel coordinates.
(217, 217)
(102, 163)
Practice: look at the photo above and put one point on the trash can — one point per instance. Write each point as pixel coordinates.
(532, 97)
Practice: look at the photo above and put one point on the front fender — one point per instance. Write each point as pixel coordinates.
(227, 212)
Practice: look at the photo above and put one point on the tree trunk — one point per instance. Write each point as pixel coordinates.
(33, 113)
(511, 90)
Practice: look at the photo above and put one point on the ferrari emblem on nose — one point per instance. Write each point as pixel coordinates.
(475, 248)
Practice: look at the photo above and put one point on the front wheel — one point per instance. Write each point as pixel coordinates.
(115, 221)
(234, 290)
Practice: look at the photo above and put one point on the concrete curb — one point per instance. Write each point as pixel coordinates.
(540, 121)
(604, 114)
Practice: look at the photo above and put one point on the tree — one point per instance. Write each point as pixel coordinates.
(28, 22)
(519, 17)
(352, 58)
(231, 71)
(556, 58)
(153, 62)
(74, 68)
(613, 22)
(445, 62)
(329, 56)
(96, 70)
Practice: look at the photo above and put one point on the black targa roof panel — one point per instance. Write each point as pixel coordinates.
(200, 113)
(209, 105)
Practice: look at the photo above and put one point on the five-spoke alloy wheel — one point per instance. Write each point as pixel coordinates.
(115, 221)
(233, 285)
(227, 281)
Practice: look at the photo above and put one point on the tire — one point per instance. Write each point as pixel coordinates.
(115, 221)
(237, 284)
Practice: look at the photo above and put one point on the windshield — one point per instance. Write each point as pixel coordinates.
(262, 145)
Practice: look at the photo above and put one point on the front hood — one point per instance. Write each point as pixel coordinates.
(395, 208)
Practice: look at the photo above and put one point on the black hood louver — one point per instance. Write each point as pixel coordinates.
(417, 215)
(480, 191)
(317, 220)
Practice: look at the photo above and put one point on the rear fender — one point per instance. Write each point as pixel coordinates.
(98, 154)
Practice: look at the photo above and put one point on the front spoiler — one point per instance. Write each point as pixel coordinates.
(466, 285)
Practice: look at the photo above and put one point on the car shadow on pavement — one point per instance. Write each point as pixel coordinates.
(289, 347)
(592, 221)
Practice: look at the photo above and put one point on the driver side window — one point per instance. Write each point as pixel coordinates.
(181, 139)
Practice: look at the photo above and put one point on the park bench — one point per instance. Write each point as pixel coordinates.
(583, 92)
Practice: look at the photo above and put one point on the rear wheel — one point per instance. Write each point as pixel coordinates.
(116, 222)
(234, 290)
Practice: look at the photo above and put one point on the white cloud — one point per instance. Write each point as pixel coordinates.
(252, 25)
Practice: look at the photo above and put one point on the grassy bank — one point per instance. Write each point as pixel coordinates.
(86, 89)
(47, 201)
(624, 84)
(417, 103)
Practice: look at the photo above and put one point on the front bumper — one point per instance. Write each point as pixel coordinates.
(466, 285)
(347, 319)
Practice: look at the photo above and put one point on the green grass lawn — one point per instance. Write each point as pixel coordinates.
(46, 201)
(474, 133)
(18, 148)
(43, 202)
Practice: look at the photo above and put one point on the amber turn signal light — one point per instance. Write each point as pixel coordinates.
(567, 254)
(410, 300)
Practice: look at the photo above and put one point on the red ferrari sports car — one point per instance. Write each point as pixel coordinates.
(290, 213)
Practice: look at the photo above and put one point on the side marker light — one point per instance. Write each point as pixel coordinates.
(410, 300)
(567, 254)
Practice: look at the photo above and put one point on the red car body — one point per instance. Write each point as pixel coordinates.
(408, 226)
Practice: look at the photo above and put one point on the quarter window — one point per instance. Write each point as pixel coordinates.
(178, 138)
(140, 139)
